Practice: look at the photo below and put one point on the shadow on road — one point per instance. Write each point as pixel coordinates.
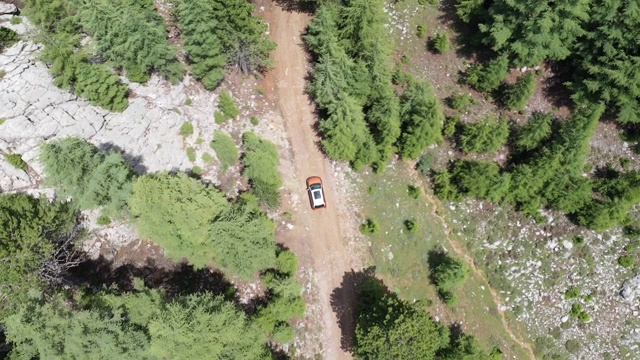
(344, 302)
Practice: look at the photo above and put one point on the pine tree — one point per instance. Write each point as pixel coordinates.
(535, 131)
(422, 120)
(516, 96)
(261, 161)
(101, 87)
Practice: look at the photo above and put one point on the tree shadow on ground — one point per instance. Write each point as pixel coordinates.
(301, 6)
(344, 302)
(135, 160)
(177, 280)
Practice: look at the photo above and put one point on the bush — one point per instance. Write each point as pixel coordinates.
(207, 158)
(450, 125)
(103, 220)
(287, 263)
(461, 102)
(486, 78)
(425, 164)
(411, 225)
(16, 161)
(516, 96)
(196, 170)
(227, 106)
(15, 20)
(626, 261)
(101, 87)
(487, 135)
(421, 30)
(414, 191)
(440, 43)
(261, 161)
(535, 131)
(370, 226)
(225, 148)
(254, 121)
(481, 179)
(186, 129)
(219, 117)
(573, 346)
(443, 187)
(8, 37)
(191, 154)
(188, 101)
(449, 273)
(572, 293)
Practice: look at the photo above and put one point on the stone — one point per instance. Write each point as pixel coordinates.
(8, 9)
(630, 289)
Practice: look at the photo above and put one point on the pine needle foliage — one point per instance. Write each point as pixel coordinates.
(30, 232)
(422, 119)
(225, 148)
(486, 135)
(176, 211)
(91, 177)
(132, 36)
(517, 95)
(486, 78)
(261, 161)
(535, 131)
(8, 37)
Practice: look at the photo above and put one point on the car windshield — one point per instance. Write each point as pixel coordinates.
(315, 186)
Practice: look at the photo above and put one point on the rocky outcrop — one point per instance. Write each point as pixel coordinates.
(631, 290)
(8, 9)
(34, 110)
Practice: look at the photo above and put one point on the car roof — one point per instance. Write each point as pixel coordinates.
(314, 180)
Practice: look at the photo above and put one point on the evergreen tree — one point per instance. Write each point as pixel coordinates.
(101, 87)
(176, 211)
(205, 327)
(422, 119)
(516, 96)
(261, 161)
(488, 77)
(31, 232)
(390, 328)
(535, 131)
(198, 23)
(480, 179)
(486, 135)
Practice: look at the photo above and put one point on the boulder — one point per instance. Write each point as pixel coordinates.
(630, 289)
(8, 9)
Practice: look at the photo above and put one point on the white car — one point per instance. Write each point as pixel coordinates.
(316, 193)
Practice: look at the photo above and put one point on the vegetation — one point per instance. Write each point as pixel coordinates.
(34, 235)
(440, 43)
(461, 102)
(225, 148)
(261, 161)
(16, 161)
(186, 129)
(370, 226)
(517, 95)
(535, 131)
(8, 37)
(422, 118)
(486, 78)
(447, 274)
(191, 154)
(486, 135)
(90, 176)
(227, 107)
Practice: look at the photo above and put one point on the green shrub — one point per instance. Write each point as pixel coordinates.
(480, 179)
(450, 125)
(196, 170)
(103, 220)
(191, 154)
(443, 187)
(254, 121)
(228, 106)
(287, 263)
(370, 226)
(414, 191)
(225, 148)
(16, 161)
(261, 161)
(411, 225)
(440, 43)
(207, 158)
(486, 78)
(578, 240)
(8, 37)
(626, 261)
(188, 101)
(487, 135)
(461, 102)
(535, 131)
(625, 162)
(573, 346)
(2, 120)
(101, 87)
(219, 117)
(3, 73)
(424, 165)
(572, 293)
(421, 31)
(199, 141)
(422, 117)
(516, 96)
(186, 129)
(15, 20)
(405, 59)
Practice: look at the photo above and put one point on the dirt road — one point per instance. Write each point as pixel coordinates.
(317, 236)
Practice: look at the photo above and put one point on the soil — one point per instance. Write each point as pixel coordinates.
(319, 238)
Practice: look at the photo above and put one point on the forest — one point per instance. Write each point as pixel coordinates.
(371, 110)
